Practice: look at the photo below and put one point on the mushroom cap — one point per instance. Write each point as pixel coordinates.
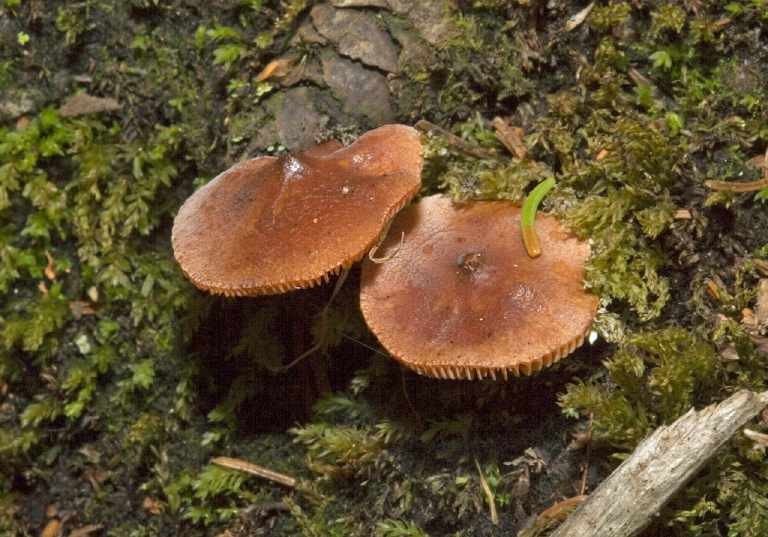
(461, 298)
(270, 225)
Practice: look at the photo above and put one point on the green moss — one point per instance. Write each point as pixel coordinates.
(626, 216)
(654, 379)
(482, 65)
(668, 16)
(603, 18)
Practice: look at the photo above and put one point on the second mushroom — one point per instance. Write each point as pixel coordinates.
(463, 299)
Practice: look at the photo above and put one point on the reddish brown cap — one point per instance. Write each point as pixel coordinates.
(462, 298)
(271, 225)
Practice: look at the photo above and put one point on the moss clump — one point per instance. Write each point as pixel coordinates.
(654, 378)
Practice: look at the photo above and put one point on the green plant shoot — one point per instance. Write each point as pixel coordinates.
(528, 219)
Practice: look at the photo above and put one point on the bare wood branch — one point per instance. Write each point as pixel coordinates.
(506, 134)
(630, 497)
(453, 140)
(237, 464)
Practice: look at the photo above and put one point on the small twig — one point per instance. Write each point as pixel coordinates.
(323, 321)
(738, 187)
(589, 450)
(408, 397)
(743, 187)
(453, 140)
(506, 135)
(487, 489)
(377, 351)
(243, 466)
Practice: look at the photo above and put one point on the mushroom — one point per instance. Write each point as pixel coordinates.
(463, 299)
(270, 225)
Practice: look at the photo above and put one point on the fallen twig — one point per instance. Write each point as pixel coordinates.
(237, 464)
(629, 499)
(459, 143)
(744, 187)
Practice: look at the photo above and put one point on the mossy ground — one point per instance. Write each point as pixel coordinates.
(120, 381)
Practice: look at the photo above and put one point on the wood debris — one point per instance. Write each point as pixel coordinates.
(453, 140)
(83, 104)
(237, 464)
(630, 498)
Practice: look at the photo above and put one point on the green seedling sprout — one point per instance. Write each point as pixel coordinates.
(528, 219)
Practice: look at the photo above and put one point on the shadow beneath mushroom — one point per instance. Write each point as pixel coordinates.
(242, 343)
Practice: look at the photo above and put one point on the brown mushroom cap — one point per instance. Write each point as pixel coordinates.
(271, 225)
(462, 298)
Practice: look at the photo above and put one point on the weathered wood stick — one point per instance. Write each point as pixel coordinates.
(255, 469)
(627, 501)
(459, 143)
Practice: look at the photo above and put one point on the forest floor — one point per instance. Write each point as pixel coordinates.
(120, 381)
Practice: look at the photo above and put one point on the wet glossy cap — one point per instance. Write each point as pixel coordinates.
(463, 299)
(271, 225)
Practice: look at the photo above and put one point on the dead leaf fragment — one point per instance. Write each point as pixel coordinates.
(22, 122)
(578, 18)
(52, 529)
(153, 506)
(756, 162)
(79, 308)
(729, 354)
(50, 269)
(277, 69)
(561, 510)
(85, 530)
(83, 104)
(580, 441)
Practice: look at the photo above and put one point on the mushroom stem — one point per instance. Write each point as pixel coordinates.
(528, 218)
(324, 337)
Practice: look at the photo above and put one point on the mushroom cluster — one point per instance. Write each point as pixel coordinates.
(459, 297)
